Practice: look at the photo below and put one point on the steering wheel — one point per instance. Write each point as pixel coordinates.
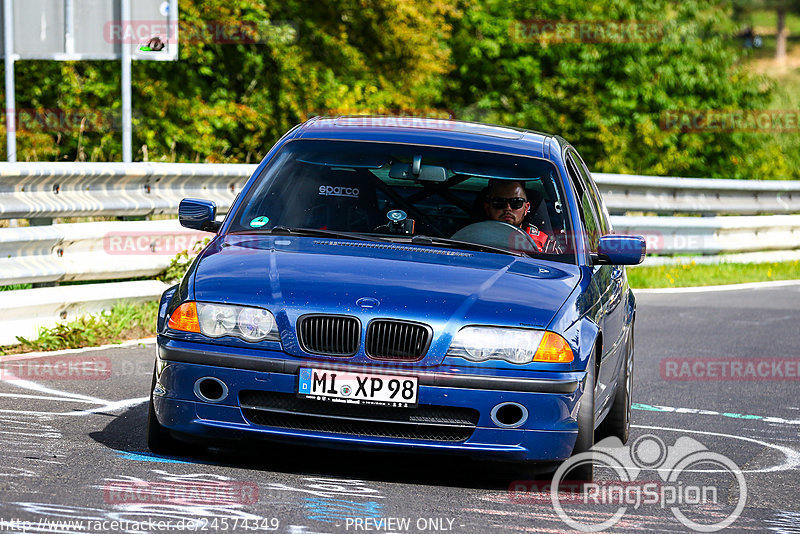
(497, 234)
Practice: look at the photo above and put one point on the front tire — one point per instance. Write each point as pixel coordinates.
(618, 421)
(586, 421)
(159, 440)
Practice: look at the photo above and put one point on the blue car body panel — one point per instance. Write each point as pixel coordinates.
(446, 290)
(592, 307)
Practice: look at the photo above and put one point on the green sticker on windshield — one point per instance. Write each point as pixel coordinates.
(258, 222)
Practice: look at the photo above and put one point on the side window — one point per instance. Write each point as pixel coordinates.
(587, 213)
(594, 193)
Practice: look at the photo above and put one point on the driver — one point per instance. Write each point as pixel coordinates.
(506, 201)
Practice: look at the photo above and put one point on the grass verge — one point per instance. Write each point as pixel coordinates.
(692, 274)
(16, 287)
(122, 322)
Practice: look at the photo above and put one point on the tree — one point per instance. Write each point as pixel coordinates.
(248, 71)
(781, 8)
(228, 100)
(608, 93)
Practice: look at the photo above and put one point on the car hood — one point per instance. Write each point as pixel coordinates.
(444, 288)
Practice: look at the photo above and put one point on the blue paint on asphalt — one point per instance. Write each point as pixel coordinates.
(333, 510)
(147, 457)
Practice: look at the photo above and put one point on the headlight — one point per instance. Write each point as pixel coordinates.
(514, 345)
(217, 320)
(255, 324)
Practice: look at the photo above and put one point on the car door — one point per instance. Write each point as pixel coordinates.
(602, 276)
(615, 313)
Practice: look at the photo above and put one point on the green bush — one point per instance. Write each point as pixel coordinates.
(123, 321)
(231, 102)
(608, 98)
(181, 262)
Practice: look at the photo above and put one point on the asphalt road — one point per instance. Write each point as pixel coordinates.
(74, 457)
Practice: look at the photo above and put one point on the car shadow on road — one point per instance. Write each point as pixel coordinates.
(126, 433)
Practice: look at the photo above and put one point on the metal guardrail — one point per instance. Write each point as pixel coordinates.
(46, 190)
(24, 311)
(628, 193)
(91, 251)
(120, 250)
(712, 235)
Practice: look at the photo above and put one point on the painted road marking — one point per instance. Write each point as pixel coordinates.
(727, 287)
(41, 397)
(34, 386)
(669, 409)
(111, 406)
(124, 344)
(62, 396)
(791, 462)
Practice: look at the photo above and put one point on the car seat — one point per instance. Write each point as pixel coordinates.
(318, 196)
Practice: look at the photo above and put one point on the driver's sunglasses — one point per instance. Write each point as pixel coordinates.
(514, 203)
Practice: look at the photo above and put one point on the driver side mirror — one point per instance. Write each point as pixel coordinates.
(198, 215)
(620, 250)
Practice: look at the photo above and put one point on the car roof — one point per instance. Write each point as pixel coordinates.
(428, 131)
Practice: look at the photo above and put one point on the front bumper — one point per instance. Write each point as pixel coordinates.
(547, 434)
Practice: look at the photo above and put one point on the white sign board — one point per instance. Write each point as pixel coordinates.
(77, 30)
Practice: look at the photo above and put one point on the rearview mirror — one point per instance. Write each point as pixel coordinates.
(426, 173)
(620, 250)
(198, 215)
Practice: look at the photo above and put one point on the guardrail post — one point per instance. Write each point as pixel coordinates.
(11, 114)
(42, 221)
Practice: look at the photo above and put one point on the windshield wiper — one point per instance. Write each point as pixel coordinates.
(443, 241)
(316, 232)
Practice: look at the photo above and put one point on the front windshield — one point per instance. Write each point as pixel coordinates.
(401, 192)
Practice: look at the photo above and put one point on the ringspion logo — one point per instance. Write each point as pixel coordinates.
(704, 490)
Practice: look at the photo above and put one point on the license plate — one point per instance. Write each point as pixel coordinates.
(357, 388)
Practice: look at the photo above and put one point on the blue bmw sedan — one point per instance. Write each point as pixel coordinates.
(408, 284)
